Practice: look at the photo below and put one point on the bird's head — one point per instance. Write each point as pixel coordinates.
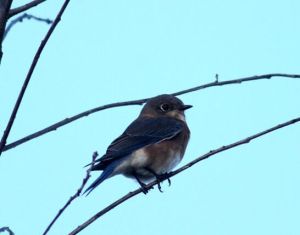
(165, 105)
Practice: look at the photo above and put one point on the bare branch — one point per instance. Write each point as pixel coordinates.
(66, 121)
(183, 168)
(21, 18)
(28, 77)
(4, 9)
(25, 7)
(6, 229)
(77, 194)
(236, 81)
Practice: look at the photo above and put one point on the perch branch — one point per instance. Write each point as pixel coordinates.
(183, 168)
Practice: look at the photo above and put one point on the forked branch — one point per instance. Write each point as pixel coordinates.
(25, 7)
(21, 18)
(28, 76)
(72, 198)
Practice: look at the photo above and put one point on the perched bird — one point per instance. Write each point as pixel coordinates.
(150, 147)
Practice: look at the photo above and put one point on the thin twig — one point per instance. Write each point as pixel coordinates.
(28, 77)
(77, 194)
(21, 18)
(237, 81)
(185, 167)
(25, 7)
(6, 229)
(66, 121)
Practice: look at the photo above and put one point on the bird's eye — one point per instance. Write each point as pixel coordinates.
(164, 107)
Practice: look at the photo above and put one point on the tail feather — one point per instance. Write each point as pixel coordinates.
(105, 174)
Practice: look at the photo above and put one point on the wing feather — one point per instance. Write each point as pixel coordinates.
(140, 133)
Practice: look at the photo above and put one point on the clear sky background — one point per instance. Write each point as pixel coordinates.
(109, 51)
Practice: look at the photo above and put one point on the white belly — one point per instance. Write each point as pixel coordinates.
(137, 160)
(171, 162)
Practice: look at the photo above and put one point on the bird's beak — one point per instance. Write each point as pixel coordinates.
(185, 107)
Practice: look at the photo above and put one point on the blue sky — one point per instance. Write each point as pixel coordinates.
(109, 51)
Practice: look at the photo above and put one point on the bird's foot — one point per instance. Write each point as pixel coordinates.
(160, 178)
(165, 176)
(145, 189)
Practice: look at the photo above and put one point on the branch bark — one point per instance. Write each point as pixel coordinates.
(21, 18)
(6, 229)
(183, 168)
(66, 121)
(4, 10)
(29, 74)
(25, 7)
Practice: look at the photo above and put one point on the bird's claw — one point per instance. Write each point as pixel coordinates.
(144, 188)
(160, 178)
(169, 181)
(159, 186)
(165, 176)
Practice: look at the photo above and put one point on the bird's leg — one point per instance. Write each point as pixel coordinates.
(159, 178)
(143, 186)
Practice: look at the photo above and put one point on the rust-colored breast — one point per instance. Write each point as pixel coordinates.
(166, 155)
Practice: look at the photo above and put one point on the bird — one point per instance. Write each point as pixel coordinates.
(150, 147)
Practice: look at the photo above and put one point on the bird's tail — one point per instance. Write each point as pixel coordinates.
(105, 174)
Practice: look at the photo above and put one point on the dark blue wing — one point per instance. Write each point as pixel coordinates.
(140, 133)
